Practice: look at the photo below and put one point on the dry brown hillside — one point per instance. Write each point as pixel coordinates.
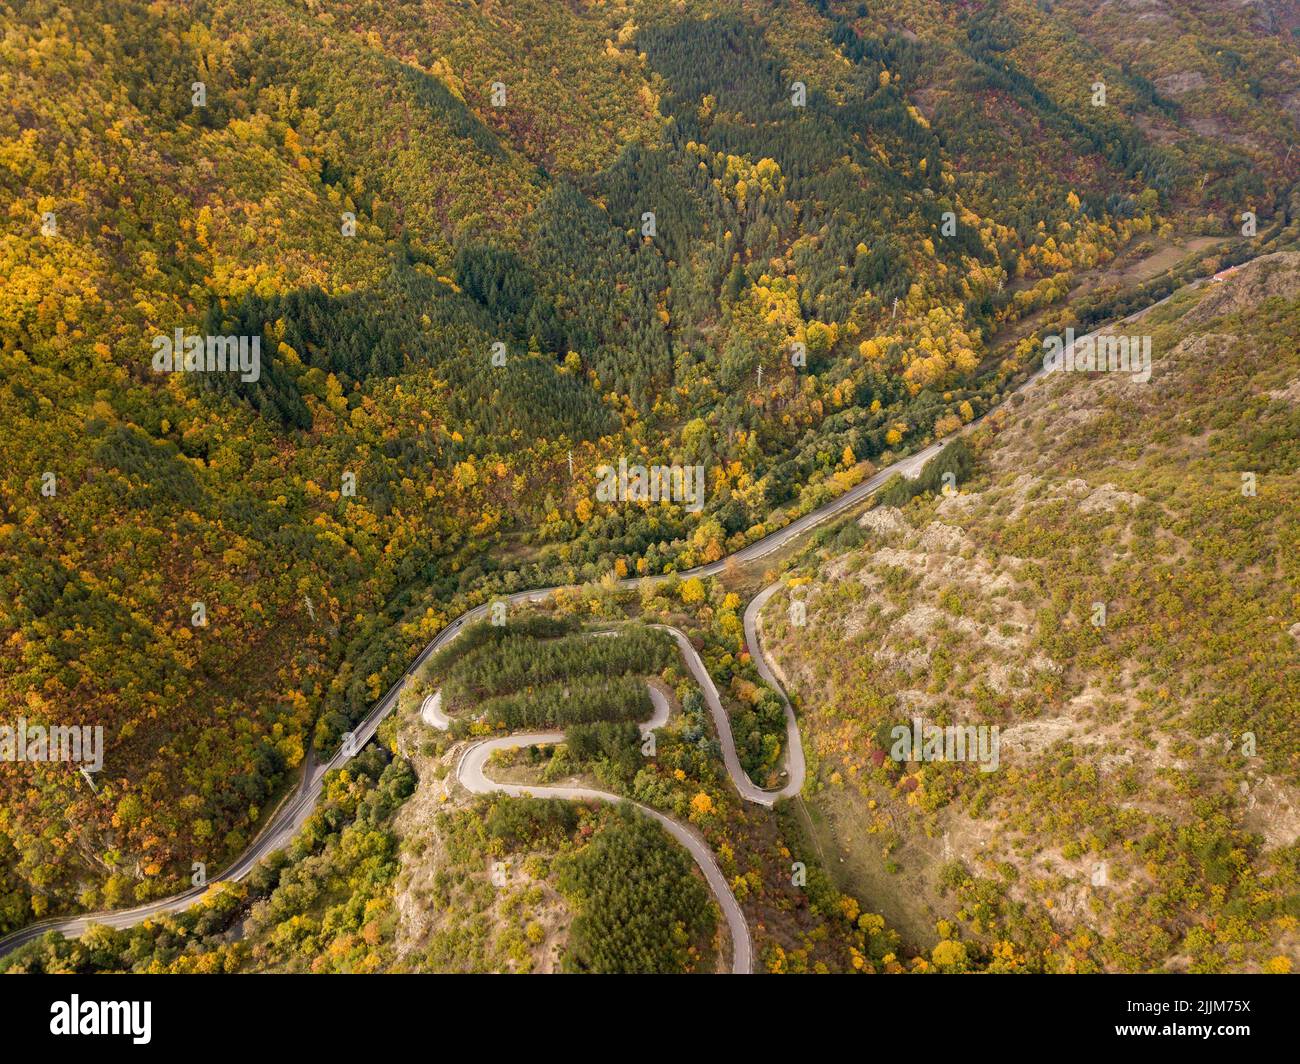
(1116, 590)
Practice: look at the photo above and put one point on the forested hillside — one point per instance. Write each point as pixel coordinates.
(1114, 588)
(487, 247)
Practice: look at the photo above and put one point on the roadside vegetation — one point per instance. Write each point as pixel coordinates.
(1113, 588)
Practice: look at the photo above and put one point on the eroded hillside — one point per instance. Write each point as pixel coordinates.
(1116, 591)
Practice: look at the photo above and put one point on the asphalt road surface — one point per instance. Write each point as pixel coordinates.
(470, 774)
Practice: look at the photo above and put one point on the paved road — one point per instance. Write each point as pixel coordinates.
(660, 716)
(431, 712)
(470, 774)
(293, 812)
(739, 777)
(794, 759)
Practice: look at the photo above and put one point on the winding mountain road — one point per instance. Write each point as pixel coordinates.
(470, 774)
(297, 807)
(722, 722)
(795, 765)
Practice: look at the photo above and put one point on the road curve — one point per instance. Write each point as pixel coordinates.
(470, 774)
(294, 811)
(796, 767)
(431, 712)
(722, 721)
